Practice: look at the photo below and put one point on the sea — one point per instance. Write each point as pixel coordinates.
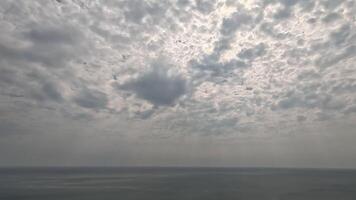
(172, 183)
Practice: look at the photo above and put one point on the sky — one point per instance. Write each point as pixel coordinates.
(178, 83)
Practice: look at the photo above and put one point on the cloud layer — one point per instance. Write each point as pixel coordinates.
(166, 72)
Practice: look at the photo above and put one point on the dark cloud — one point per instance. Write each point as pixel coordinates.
(157, 86)
(91, 98)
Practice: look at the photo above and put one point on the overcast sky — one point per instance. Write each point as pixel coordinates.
(178, 83)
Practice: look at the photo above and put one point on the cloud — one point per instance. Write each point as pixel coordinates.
(91, 98)
(158, 86)
(9, 128)
(205, 6)
(50, 46)
(252, 53)
(331, 17)
(332, 59)
(48, 91)
(54, 34)
(137, 11)
(234, 22)
(301, 118)
(210, 66)
(237, 71)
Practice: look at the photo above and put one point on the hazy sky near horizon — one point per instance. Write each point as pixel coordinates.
(178, 83)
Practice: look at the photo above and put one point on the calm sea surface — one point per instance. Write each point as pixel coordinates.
(175, 184)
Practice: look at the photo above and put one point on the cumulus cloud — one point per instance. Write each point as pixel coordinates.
(158, 86)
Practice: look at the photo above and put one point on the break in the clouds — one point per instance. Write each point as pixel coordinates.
(186, 82)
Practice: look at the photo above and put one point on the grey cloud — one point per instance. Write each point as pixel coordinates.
(269, 29)
(218, 126)
(301, 118)
(34, 85)
(44, 91)
(91, 98)
(252, 53)
(51, 91)
(315, 97)
(289, 3)
(145, 114)
(282, 14)
(183, 3)
(339, 47)
(157, 86)
(309, 75)
(205, 6)
(210, 65)
(332, 4)
(351, 109)
(51, 47)
(289, 102)
(207, 126)
(309, 97)
(287, 7)
(8, 76)
(306, 5)
(331, 17)
(333, 104)
(54, 35)
(332, 58)
(322, 116)
(346, 86)
(308, 101)
(246, 74)
(234, 22)
(136, 11)
(8, 128)
(341, 35)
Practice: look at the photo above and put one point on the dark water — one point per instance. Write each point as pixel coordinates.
(176, 184)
